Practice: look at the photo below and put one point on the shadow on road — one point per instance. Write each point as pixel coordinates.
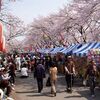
(25, 92)
(86, 94)
(41, 94)
(28, 87)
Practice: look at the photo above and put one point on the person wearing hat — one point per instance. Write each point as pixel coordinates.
(69, 73)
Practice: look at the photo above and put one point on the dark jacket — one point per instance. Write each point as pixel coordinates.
(39, 71)
(12, 69)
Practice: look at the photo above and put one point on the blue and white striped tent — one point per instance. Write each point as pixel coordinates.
(83, 51)
(56, 50)
(50, 50)
(71, 48)
(45, 50)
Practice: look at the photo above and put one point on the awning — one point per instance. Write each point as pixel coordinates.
(83, 51)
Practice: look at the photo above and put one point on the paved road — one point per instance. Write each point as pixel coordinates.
(26, 89)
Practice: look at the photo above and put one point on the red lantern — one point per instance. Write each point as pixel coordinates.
(2, 39)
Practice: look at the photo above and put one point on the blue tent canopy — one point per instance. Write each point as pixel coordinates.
(76, 49)
(77, 46)
(83, 51)
(93, 46)
(46, 50)
(41, 50)
(70, 49)
(84, 46)
(50, 50)
(56, 50)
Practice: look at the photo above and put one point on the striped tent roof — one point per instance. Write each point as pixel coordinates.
(56, 50)
(46, 50)
(86, 47)
(42, 50)
(82, 48)
(70, 49)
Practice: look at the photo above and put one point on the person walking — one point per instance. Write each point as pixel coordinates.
(18, 62)
(39, 74)
(91, 74)
(53, 78)
(69, 73)
(12, 70)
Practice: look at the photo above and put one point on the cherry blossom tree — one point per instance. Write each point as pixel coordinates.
(76, 22)
(14, 27)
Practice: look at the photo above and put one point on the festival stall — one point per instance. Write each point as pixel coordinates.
(89, 51)
(94, 54)
(83, 51)
(70, 49)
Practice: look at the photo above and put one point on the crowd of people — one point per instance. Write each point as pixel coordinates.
(40, 65)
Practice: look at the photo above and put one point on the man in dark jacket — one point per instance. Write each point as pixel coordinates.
(39, 74)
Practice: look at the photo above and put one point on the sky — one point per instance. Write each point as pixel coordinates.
(27, 10)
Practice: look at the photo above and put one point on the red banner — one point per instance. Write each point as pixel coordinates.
(2, 39)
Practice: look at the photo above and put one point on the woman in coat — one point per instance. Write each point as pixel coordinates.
(53, 78)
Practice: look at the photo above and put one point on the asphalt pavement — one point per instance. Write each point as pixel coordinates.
(26, 89)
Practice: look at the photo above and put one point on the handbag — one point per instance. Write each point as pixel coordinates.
(48, 83)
